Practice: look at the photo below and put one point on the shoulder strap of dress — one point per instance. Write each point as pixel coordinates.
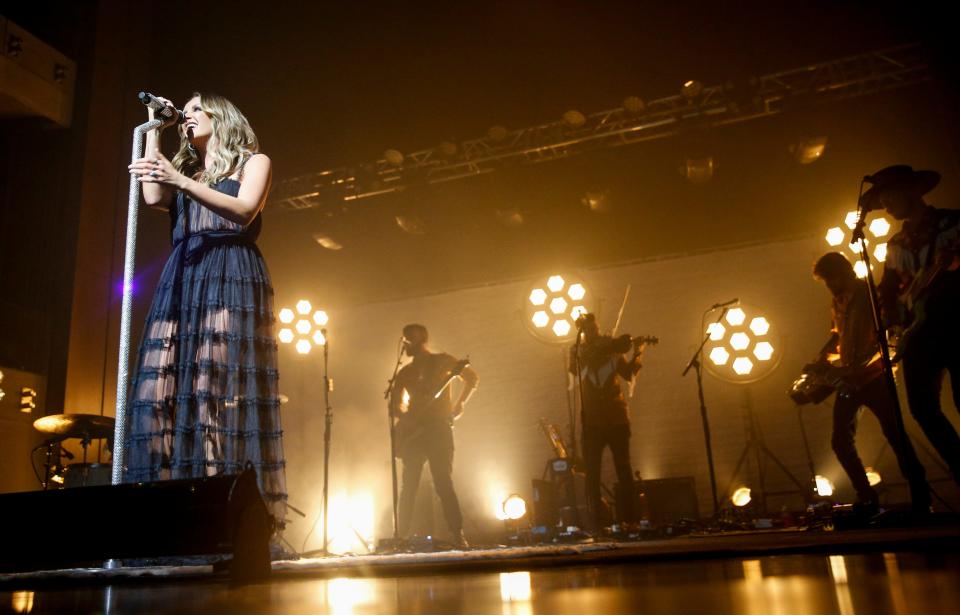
(243, 163)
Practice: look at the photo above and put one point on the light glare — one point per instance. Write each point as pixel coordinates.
(538, 296)
(286, 316)
(540, 319)
(716, 331)
(320, 317)
(561, 328)
(759, 326)
(719, 355)
(319, 338)
(303, 327)
(879, 227)
(739, 340)
(558, 305)
(303, 346)
(303, 307)
(285, 335)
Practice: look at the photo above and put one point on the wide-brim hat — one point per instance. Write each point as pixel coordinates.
(897, 177)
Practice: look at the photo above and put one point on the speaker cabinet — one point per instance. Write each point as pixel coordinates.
(667, 500)
(89, 525)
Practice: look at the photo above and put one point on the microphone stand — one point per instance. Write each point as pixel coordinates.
(881, 330)
(393, 445)
(698, 367)
(572, 491)
(327, 426)
(126, 308)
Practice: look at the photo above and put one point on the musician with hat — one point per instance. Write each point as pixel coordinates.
(920, 290)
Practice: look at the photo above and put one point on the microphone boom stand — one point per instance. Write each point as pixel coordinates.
(698, 366)
(393, 447)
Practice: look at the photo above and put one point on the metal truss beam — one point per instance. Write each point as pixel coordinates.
(849, 77)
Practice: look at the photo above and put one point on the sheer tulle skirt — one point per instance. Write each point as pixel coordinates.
(204, 399)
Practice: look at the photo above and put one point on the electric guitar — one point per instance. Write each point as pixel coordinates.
(819, 380)
(914, 297)
(410, 426)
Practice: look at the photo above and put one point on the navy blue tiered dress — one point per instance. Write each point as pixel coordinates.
(204, 399)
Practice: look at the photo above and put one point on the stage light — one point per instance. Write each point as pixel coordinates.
(743, 347)
(326, 241)
(719, 355)
(351, 528)
(541, 319)
(595, 200)
(879, 227)
(807, 151)
(739, 340)
(716, 331)
(574, 118)
(411, 224)
(759, 325)
(691, 89)
(763, 351)
(742, 366)
(307, 331)
(552, 307)
(837, 237)
(741, 497)
(824, 486)
(735, 316)
(497, 133)
(514, 507)
(880, 253)
(873, 477)
(698, 170)
(393, 157)
(634, 104)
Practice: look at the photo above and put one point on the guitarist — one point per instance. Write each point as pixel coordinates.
(921, 281)
(424, 432)
(855, 342)
(599, 363)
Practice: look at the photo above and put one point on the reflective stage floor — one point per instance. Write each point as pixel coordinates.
(872, 583)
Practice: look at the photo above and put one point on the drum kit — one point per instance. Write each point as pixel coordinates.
(86, 428)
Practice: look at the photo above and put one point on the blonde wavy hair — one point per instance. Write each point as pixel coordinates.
(233, 142)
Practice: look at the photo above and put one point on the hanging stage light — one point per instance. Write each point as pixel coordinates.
(877, 230)
(551, 308)
(302, 326)
(743, 346)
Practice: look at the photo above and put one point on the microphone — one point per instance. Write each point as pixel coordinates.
(725, 303)
(154, 103)
(65, 453)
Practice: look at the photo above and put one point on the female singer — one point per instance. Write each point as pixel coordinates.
(204, 398)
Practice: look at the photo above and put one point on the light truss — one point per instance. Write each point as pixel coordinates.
(858, 75)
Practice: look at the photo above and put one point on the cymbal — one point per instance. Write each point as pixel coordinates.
(87, 426)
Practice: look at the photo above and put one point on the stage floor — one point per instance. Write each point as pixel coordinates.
(896, 582)
(905, 570)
